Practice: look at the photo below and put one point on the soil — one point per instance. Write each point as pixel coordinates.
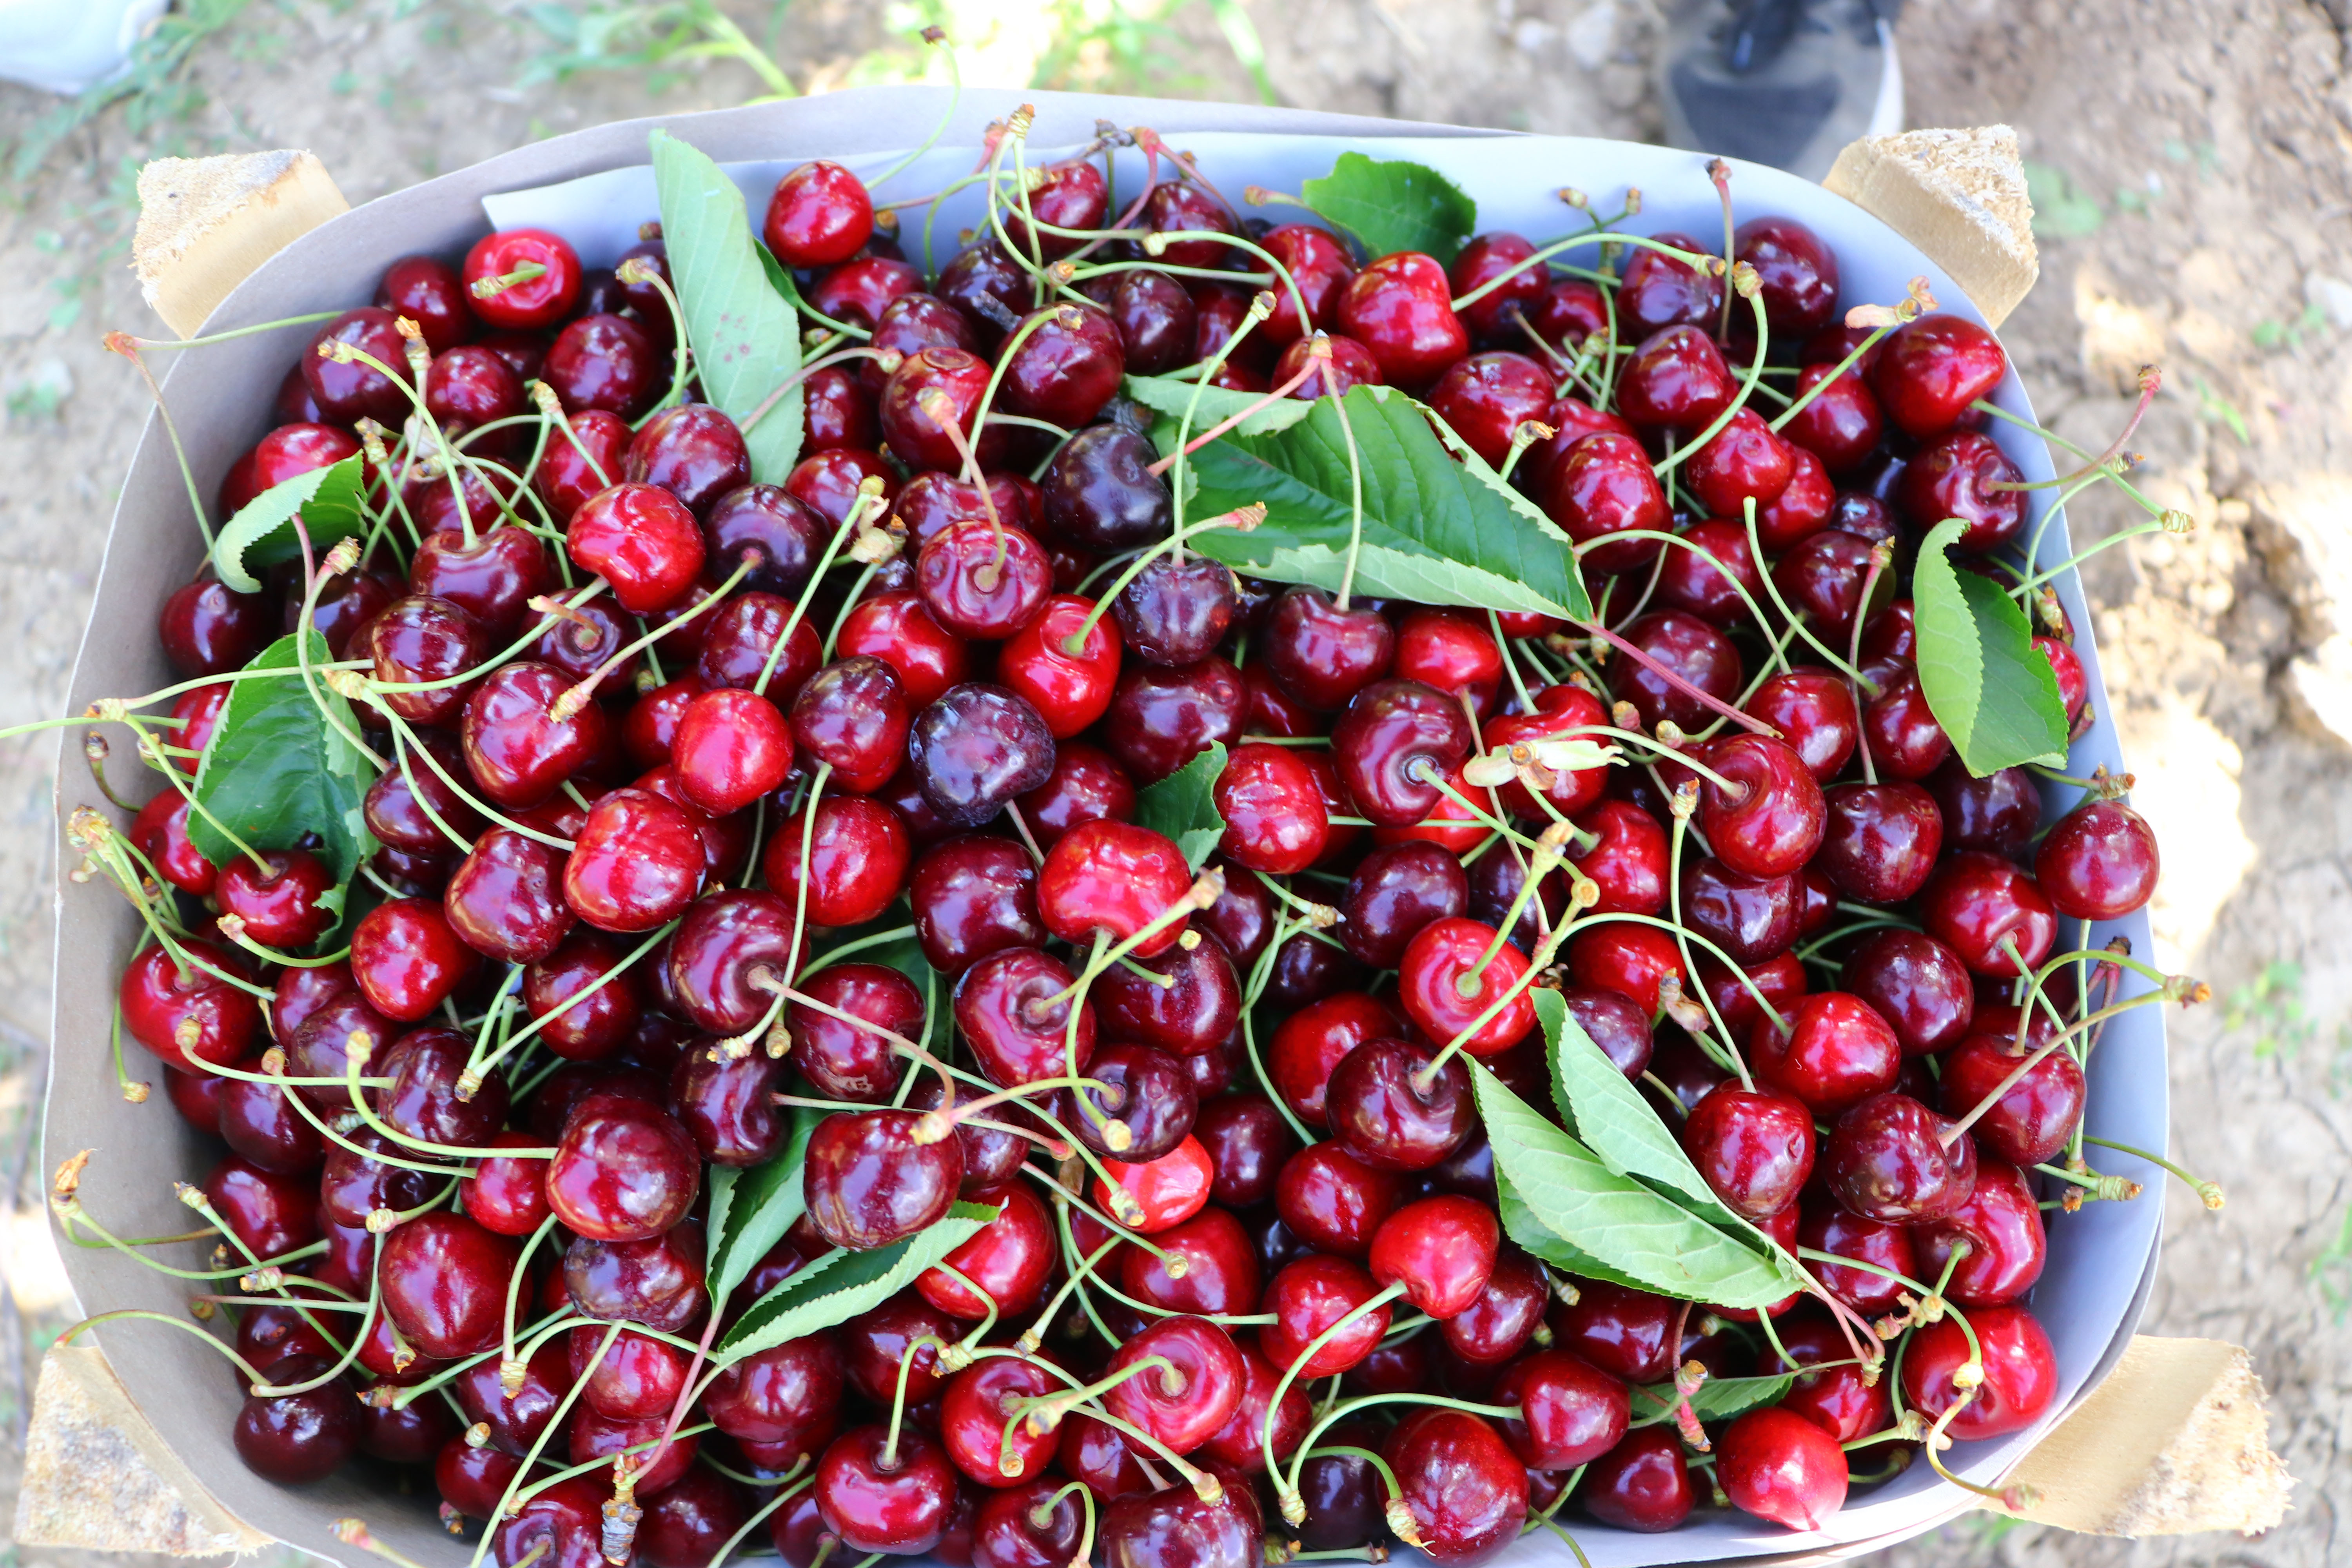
(2192, 161)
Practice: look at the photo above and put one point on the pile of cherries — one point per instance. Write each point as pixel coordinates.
(679, 771)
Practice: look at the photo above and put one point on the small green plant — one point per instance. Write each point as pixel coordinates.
(153, 89)
(658, 40)
(2331, 1270)
(2271, 334)
(2061, 210)
(2212, 407)
(2270, 1007)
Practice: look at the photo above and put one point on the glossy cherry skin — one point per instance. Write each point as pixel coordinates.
(1676, 378)
(1826, 1227)
(977, 747)
(347, 393)
(1164, 1192)
(1928, 372)
(983, 579)
(1008, 1258)
(1070, 690)
(1834, 1052)
(1100, 494)
(899, 630)
(2099, 863)
(1486, 397)
(406, 957)
(1500, 1323)
(423, 1101)
(1904, 738)
(1147, 1091)
(1776, 821)
(443, 1283)
(490, 577)
(605, 362)
(1981, 907)
(853, 1060)
(623, 1171)
(2033, 1119)
(1754, 1149)
(1184, 1402)
(857, 855)
(1629, 960)
(1694, 650)
(1641, 1484)
(1113, 878)
(1382, 1114)
(1437, 961)
(297, 1438)
(596, 1024)
(818, 215)
(419, 641)
(279, 902)
(1085, 786)
(1400, 308)
(1396, 738)
(208, 630)
(1005, 1005)
(981, 1424)
(1881, 841)
(910, 426)
(1571, 1413)
(271, 1212)
(518, 754)
(1918, 985)
(1441, 1249)
(2001, 1227)
(1778, 1466)
(879, 1500)
(2021, 1372)
(567, 476)
(1394, 895)
(1310, 1044)
(694, 452)
(1814, 712)
(1465, 1488)
(730, 748)
(641, 540)
(1174, 1529)
(1840, 425)
(1886, 1159)
(533, 303)
(1744, 461)
(506, 900)
(1629, 864)
(1602, 486)
(1799, 273)
(869, 1183)
(779, 1394)
(1323, 655)
(973, 896)
(1662, 291)
(1956, 475)
(786, 532)
(1751, 919)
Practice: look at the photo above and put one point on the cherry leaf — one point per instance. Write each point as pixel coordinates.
(1172, 395)
(1717, 1399)
(1439, 527)
(262, 531)
(838, 1286)
(1637, 1233)
(1388, 205)
(745, 337)
(1993, 692)
(1182, 807)
(277, 773)
(751, 1208)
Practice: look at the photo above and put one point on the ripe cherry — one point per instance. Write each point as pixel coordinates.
(2021, 1372)
(897, 629)
(1465, 1488)
(1160, 1193)
(973, 896)
(1627, 959)
(1389, 1110)
(1070, 690)
(818, 215)
(1960, 475)
(1571, 1413)
(1396, 739)
(1755, 1149)
(1013, 1006)
(1918, 985)
(1485, 398)
(2001, 1227)
(1441, 1249)
(1174, 1529)
(1114, 880)
(1499, 1325)
(1641, 1484)
(850, 1057)
(983, 1427)
(406, 957)
(858, 851)
(1273, 810)
(2033, 1117)
(1310, 1044)
(443, 1283)
(1086, 785)
(1445, 957)
(1676, 378)
(1191, 1392)
(1221, 1268)
(1887, 1160)
(623, 1171)
(983, 579)
(1312, 1297)
(730, 748)
(2099, 863)
(1323, 655)
(869, 1183)
(879, 1498)
(1928, 372)
(1147, 1090)
(1992, 916)
(1602, 486)
(1744, 461)
(297, 1438)
(1774, 821)
(1400, 307)
(1778, 1466)
(1751, 919)
(977, 747)
(597, 1022)
(1834, 1051)
(1699, 654)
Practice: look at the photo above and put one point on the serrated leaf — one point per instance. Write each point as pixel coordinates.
(1182, 807)
(842, 1284)
(1169, 396)
(1528, 1233)
(1638, 1234)
(1995, 695)
(1389, 205)
(745, 337)
(1438, 528)
(1717, 1399)
(276, 772)
(1611, 1116)
(262, 531)
(751, 1208)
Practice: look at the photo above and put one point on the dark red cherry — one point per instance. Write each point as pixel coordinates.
(1798, 270)
(297, 1438)
(852, 716)
(406, 957)
(1310, 1044)
(1675, 379)
(731, 747)
(1500, 1324)
(1744, 461)
(518, 751)
(1614, 1023)
(1571, 1413)
(1602, 486)
(1183, 1403)
(869, 1183)
(429, 1098)
(1313, 1297)
(1751, 918)
(1175, 613)
(443, 1281)
(506, 901)
(2098, 863)
(1835, 1051)
(857, 855)
(947, 379)
(1321, 654)
(1841, 424)
(1396, 739)
(818, 215)
(1780, 1466)
(860, 289)
(424, 642)
(1509, 258)
(1702, 655)
(1814, 712)
(591, 1023)
(1100, 494)
(349, 390)
(1174, 1529)
(1067, 366)
(1400, 307)
(1146, 1091)
(208, 630)
(1956, 475)
(1465, 1488)
(1632, 961)
(1771, 822)
(1155, 320)
(2001, 1225)
(1662, 291)
(1160, 720)
(1012, 1010)
(977, 747)
(1641, 1484)
(1334, 1202)
(1906, 740)
(568, 474)
(491, 577)
(1388, 1110)
(623, 1171)
(899, 630)
(838, 408)
(1393, 894)
(973, 896)
(2021, 1372)
(1485, 398)
(739, 641)
(2033, 1117)
(1928, 372)
(1880, 841)
(1754, 1149)
(694, 452)
(429, 291)
(1707, 579)
(1992, 916)
(277, 900)
(1007, 1258)
(1086, 785)
(1441, 1249)
(606, 363)
(1887, 1160)
(1918, 985)
(851, 1057)
(1822, 577)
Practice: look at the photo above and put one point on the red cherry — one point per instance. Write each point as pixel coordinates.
(1441, 1249)
(406, 957)
(870, 1184)
(1629, 959)
(1571, 1413)
(1308, 1299)
(1702, 655)
(1835, 1051)
(518, 751)
(1744, 461)
(1400, 307)
(2001, 1225)
(444, 1280)
(1602, 486)
(1770, 824)
(1953, 476)
(639, 861)
(819, 214)
(1430, 987)
(1754, 1149)
(2034, 1117)
(1113, 878)
(897, 629)
(1086, 785)
(539, 301)
(1485, 398)
(858, 854)
(730, 748)
(2021, 1372)
(1676, 378)
(1013, 1011)
(1778, 1466)
(2099, 863)
(1008, 1258)
(1928, 372)
(1918, 985)
(1641, 1484)
(1310, 1044)
(1166, 1191)
(641, 540)
(983, 1427)
(1183, 1402)
(881, 1499)
(1887, 1160)
(1466, 1491)
(1984, 909)
(1070, 690)
(1814, 712)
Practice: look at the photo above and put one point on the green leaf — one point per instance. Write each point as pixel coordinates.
(751, 1208)
(1613, 1119)
(1528, 1233)
(1391, 205)
(1438, 528)
(1182, 807)
(842, 1284)
(1717, 1399)
(1172, 396)
(1638, 1234)
(262, 532)
(1993, 692)
(277, 771)
(745, 337)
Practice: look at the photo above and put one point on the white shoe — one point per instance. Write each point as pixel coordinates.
(67, 46)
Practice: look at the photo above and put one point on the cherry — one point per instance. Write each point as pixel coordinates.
(971, 897)
(1886, 1159)
(876, 1499)
(640, 538)
(1437, 964)
(977, 747)
(1676, 378)
(1493, 318)
(728, 1105)
(1485, 398)
(1174, 208)
(506, 900)
(421, 640)
(1840, 425)
(1166, 1191)
(1323, 655)
(349, 392)
(208, 630)
(525, 303)
(2001, 1225)
(1690, 648)
(1174, 613)
(983, 579)
(1882, 840)
(1641, 1484)
(1396, 892)
(1113, 879)
(1799, 273)
(1660, 291)
(1984, 909)
(846, 1059)
(1342, 1492)
(1602, 486)
(1101, 1456)
(280, 900)
(604, 362)
(1821, 578)
(1400, 308)
(1012, 1008)
(594, 1025)
(1174, 1529)
(1441, 1249)
(694, 452)
(259, 1121)
(981, 1425)
(518, 751)
(780, 1395)
(908, 425)
(692, 1521)
(1395, 739)
(1160, 720)
(1065, 366)
(2035, 1118)
(273, 1213)
(852, 716)
(1775, 821)
(1465, 1488)
(1918, 985)
(406, 957)
(870, 1182)
(1183, 1402)
(739, 638)
(875, 1345)
(623, 1171)
(2021, 1372)
(1310, 1044)
(443, 1279)
(860, 289)
(1070, 690)
(731, 747)
(1929, 371)
(1334, 1202)
(429, 291)
(1499, 1325)
(837, 407)
(2099, 863)
(1086, 785)
(1387, 1110)
(1956, 475)
(897, 629)
(1778, 1466)
(198, 714)
(1834, 1052)
(1814, 712)
(1751, 919)
(1706, 580)
(1220, 1276)
(1629, 864)
(1744, 461)
(297, 1438)
(1155, 320)
(1241, 920)
(1249, 1145)
(1273, 810)
(1350, 365)
(1027, 1525)
(1241, 1442)
(1100, 495)
(1147, 1091)
(1626, 959)
(1571, 1413)
(1906, 740)
(818, 215)
(425, 1099)
(1755, 1149)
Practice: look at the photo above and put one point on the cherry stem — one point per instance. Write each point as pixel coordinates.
(2210, 1194)
(1692, 259)
(540, 1022)
(1346, 1408)
(128, 347)
(1983, 405)
(1755, 373)
(1355, 498)
(1261, 306)
(1720, 172)
(1318, 356)
(1844, 366)
(1705, 698)
(1371, 1304)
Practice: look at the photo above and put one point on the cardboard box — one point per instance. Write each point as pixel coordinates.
(2101, 1261)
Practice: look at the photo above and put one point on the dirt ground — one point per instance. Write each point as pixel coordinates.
(2192, 161)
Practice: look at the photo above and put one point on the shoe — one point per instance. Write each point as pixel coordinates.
(67, 48)
(1783, 82)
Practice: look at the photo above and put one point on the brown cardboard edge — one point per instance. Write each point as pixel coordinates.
(130, 1184)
